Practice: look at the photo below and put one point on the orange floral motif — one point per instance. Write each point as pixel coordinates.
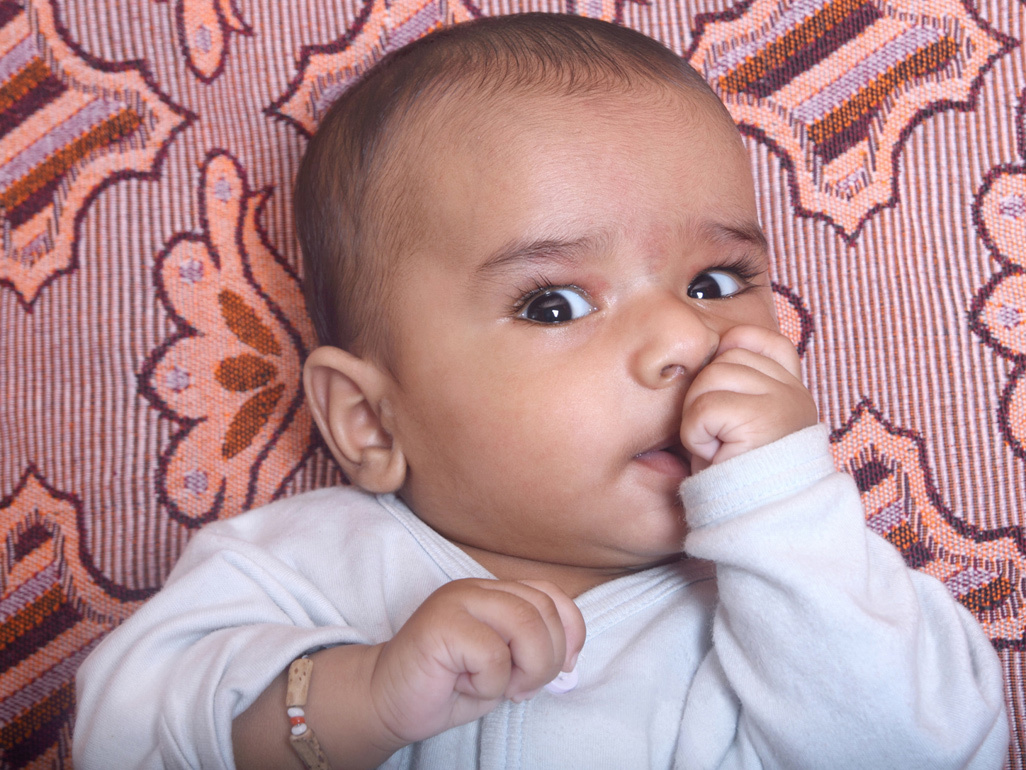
(231, 375)
(984, 570)
(204, 29)
(326, 71)
(999, 309)
(72, 126)
(837, 111)
(54, 608)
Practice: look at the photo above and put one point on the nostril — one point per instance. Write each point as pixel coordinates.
(670, 371)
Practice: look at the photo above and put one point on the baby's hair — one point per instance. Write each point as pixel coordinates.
(347, 215)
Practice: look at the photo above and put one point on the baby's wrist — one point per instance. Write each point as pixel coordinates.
(342, 707)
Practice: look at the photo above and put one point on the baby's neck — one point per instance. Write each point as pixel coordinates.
(572, 579)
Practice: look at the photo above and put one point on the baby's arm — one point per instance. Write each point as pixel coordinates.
(246, 598)
(827, 650)
(470, 645)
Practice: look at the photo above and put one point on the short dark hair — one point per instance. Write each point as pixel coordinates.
(339, 195)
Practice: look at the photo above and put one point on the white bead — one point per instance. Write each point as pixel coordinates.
(299, 729)
(295, 711)
(564, 682)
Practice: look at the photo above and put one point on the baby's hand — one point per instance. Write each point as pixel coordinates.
(748, 396)
(470, 645)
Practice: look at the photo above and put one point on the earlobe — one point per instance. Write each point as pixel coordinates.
(346, 395)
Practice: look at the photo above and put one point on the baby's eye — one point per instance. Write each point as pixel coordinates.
(715, 284)
(556, 306)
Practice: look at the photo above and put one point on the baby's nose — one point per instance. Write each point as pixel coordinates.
(676, 341)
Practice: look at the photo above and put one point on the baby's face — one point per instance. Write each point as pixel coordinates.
(570, 271)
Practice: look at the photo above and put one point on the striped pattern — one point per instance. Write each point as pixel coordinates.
(47, 623)
(64, 137)
(835, 85)
(838, 117)
(888, 143)
(68, 128)
(30, 178)
(984, 570)
(801, 37)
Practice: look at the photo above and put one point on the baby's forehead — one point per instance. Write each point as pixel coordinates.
(494, 125)
(475, 110)
(530, 143)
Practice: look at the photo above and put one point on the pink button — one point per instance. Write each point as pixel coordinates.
(565, 682)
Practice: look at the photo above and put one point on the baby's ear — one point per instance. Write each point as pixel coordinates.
(346, 397)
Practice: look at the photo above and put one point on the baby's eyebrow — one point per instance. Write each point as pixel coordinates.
(572, 251)
(543, 251)
(746, 232)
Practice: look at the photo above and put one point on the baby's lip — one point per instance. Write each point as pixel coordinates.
(671, 444)
(668, 456)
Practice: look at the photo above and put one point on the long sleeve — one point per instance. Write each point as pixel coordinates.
(193, 658)
(827, 651)
(247, 597)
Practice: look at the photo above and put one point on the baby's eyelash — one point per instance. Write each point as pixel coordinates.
(747, 267)
(539, 284)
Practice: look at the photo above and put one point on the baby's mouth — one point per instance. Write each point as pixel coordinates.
(670, 459)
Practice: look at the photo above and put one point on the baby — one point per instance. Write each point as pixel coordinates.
(551, 369)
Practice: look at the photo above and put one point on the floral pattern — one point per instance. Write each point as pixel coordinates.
(204, 31)
(230, 375)
(152, 327)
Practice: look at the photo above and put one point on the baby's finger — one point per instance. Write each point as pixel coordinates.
(762, 342)
(570, 616)
(741, 372)
(710, 405)
(482, 657)
(756, 363)
(704, 425)
(529, 622)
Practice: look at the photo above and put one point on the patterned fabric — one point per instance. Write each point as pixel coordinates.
(152, 326)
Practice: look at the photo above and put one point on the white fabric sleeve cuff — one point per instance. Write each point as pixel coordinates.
(757, 477)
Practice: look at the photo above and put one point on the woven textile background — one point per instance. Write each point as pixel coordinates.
(152, 326)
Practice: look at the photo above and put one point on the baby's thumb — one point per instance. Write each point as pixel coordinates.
(569, 615)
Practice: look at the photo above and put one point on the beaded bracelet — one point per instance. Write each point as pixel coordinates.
(303, 740)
